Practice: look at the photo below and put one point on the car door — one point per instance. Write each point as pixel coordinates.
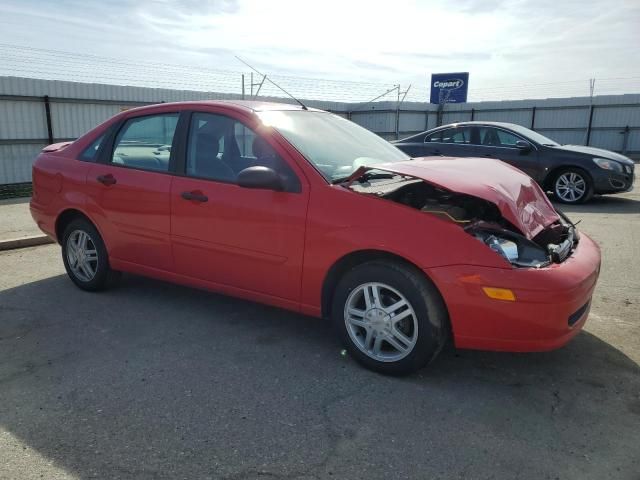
(450, 142)
(413, 146)
(129, 191)
(250, 239)
(511, 148)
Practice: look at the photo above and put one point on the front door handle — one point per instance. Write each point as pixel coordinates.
(107, 179)
(194, 196)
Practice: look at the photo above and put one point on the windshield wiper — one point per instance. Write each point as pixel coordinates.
(364, 177)
(335, 181)
(372, 175)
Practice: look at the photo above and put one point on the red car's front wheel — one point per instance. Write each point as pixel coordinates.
(390, 316)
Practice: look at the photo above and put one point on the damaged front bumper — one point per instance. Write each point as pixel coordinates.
(552, 245)
(550, 304)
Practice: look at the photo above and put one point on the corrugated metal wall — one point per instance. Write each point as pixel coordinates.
(16, 160)
(564, 120)
(76, 108)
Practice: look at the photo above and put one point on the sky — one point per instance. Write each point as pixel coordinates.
(515, 49)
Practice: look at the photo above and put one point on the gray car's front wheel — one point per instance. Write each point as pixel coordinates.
(390, 317)
(572, 186)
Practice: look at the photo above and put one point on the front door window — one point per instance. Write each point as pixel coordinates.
(220, 147)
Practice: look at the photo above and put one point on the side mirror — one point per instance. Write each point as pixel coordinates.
(522, 145)
(260, 177)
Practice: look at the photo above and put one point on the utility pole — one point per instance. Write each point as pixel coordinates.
(592, 87)
(399, 101)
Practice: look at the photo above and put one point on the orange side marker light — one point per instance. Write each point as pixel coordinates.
(499, 293)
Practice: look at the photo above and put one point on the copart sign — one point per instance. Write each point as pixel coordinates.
(449, 87)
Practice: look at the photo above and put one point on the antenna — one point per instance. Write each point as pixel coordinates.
(304, 107)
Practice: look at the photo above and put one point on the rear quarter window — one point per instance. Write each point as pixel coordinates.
(90, 154)
(434, 137)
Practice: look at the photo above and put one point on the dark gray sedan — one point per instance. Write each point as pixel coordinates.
(572, 172)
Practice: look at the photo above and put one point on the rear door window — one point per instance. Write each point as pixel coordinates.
(145, 142)
(458, 135)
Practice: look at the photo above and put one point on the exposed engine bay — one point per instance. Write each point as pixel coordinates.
(479, 218)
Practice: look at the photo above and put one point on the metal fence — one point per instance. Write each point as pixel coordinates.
(609, 122)
(34, 113)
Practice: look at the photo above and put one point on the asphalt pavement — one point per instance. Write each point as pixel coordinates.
(156, 381)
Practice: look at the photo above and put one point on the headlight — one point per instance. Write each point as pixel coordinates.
(502, 246)
(516, 250)
(608, 164)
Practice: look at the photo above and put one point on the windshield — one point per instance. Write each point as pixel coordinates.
(336, 146)
(534, 136)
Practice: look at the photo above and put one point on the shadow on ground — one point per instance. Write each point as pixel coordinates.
(152, 380)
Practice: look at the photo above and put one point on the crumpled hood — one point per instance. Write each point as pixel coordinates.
(518, 197)
(595, 152)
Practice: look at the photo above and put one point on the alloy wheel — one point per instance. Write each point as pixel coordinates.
(381, 322)
(570, 187)
(82, 255)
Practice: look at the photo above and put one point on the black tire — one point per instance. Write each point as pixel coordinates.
(104, 275)
(588, 193)
(430, 313)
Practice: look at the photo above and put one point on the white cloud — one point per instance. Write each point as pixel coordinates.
(500, 42)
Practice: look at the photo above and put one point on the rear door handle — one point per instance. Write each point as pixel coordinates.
(194, 196)
(107, 179)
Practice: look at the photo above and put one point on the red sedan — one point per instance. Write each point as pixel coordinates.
(304, 210)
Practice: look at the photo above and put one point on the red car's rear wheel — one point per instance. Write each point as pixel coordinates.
(85, 256)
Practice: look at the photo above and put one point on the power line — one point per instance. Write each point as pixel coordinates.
(18, 60)
(82, 57)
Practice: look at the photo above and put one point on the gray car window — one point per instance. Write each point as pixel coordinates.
(507, 139)
(434, 137)
(495, 137)
(457, 135)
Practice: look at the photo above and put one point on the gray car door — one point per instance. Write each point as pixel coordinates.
(414, 146)
(453, 142)
(506, 146)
